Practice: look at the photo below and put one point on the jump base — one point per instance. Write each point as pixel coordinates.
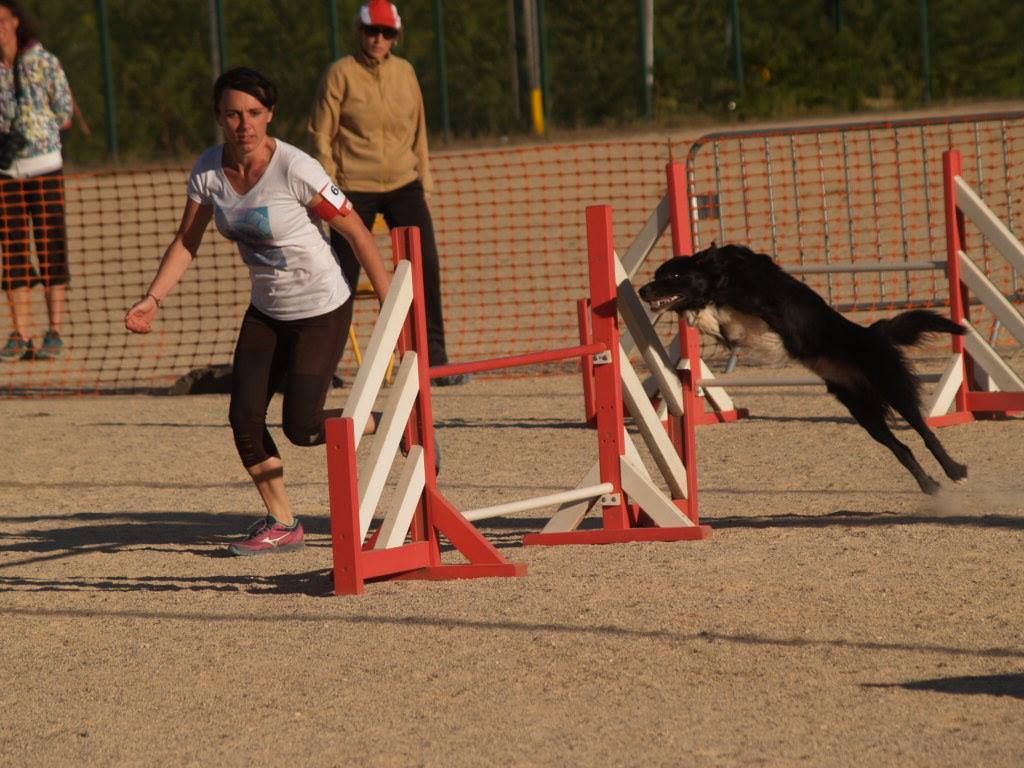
(463, 571)
(950, 419)
(623, 536)
(719, 417)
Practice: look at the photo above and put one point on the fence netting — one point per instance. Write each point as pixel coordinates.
(510, 225)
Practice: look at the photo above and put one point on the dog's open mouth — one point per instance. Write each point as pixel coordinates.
(661, 303)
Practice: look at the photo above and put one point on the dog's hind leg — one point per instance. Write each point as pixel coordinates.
(954, 470)
(871, 416)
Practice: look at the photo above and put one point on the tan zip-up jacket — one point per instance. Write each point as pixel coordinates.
(368, 125)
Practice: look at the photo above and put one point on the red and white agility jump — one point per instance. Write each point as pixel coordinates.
(407, 540)
(976, 381)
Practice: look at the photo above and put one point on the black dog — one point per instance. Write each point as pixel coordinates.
(862, 366)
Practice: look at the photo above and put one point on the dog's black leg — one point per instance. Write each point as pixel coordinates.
(954, 470)
(872, 417)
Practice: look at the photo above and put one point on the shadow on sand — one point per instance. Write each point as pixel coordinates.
(972, 685)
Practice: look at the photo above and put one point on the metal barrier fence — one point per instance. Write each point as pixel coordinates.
(511, 232)
(857, 207)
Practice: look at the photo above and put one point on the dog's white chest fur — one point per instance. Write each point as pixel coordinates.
(739, 331)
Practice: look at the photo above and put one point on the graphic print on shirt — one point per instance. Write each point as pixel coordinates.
(250, 228)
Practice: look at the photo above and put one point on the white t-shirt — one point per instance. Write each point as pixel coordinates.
(294, 272)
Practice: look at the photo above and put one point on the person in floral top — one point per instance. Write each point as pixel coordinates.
(35, 105)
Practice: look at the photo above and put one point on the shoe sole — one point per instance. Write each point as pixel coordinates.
(237, 551)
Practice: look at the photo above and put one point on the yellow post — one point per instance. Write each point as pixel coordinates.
(537, 107)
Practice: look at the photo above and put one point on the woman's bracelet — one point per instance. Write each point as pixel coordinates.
(154, 298)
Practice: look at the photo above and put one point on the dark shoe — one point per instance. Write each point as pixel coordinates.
(17, 348)
(52, 346)
(268, 535)
(453, 381)
(403, 446)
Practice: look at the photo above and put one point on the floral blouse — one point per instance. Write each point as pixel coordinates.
(45, 100)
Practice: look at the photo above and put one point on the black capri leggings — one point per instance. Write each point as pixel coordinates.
(38, 201)
(301, 354)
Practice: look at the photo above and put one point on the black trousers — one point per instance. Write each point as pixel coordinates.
(301, 354)
(37, 203)
(402, 207)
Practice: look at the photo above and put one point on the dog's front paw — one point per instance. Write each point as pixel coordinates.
(957, 472)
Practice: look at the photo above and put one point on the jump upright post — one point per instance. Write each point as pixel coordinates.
(673, 213)
(635, 509)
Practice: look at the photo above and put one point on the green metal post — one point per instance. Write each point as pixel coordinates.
(533, 45)
(545, 83)
(737, 45)
(835, 14)
(645, 26)
(222, 41)
(108, 79)
(442, 68)
(926, 53)
(513, 60)
(332, 10)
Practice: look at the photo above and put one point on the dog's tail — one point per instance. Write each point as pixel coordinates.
(908, 328)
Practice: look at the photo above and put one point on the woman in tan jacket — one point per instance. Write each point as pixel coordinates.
(369, 131)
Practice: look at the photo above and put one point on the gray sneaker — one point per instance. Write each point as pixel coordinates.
(454, 380)
(52, 346)
(17, 348)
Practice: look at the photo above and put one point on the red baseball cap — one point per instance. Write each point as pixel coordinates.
(380, 13)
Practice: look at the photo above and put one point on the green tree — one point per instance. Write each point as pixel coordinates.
(797, 60)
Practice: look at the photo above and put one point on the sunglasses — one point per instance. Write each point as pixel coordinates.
(388, 33)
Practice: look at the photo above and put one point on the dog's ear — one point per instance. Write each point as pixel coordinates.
(705, 251)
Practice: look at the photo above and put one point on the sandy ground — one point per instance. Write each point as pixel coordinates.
(837, 617)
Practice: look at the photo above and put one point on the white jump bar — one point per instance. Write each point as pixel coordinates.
(565, 497)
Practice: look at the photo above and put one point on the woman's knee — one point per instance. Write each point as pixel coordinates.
(302, 417)
(304, 432)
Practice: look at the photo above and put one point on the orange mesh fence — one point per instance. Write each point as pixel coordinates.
(512, 238)
(860, 194)
(117, 227)
(511, 233)
(510, 228)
